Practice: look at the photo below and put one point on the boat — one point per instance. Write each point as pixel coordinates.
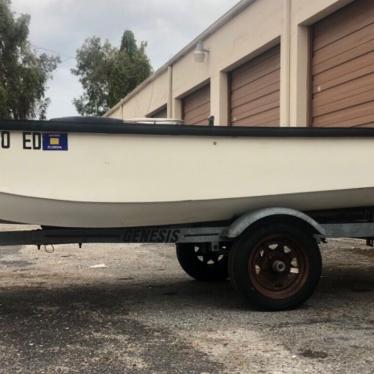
(104, 173)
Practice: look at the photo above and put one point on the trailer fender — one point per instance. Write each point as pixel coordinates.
(247, 220)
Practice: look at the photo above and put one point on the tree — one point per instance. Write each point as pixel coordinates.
(23, 72)
(108, 74)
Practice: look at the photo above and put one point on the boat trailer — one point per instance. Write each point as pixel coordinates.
(271, 256)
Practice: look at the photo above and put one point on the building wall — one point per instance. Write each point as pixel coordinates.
(151, 98)
(260, 26)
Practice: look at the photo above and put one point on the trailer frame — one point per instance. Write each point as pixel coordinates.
(227, 243)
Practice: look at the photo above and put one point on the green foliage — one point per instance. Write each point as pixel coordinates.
(108, 74)
(128, 43)
(23, 73)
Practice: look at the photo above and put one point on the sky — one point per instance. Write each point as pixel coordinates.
(59, 27)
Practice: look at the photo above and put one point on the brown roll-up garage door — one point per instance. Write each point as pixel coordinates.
(160, 113)
(196, 107)
(255, 91)
(343, 68)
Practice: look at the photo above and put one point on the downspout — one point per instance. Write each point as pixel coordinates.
(286, 61)
(170, 93)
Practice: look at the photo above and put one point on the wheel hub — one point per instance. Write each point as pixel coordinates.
(279, 266)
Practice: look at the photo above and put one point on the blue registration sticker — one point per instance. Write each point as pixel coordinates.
(55, 142)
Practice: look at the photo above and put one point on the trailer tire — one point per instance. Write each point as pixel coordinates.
(201, 264)
(276, 266)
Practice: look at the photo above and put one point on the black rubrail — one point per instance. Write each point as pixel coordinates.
(111, 126)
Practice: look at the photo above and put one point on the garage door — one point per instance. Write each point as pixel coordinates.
(160, 113)
(255, 91)
(343, 68)
(196, 107)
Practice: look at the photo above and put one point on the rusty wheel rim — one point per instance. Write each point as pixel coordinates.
(278, 267)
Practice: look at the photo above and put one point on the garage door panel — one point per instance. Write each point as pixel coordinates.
(346, 77)
(257, 113)
(266, 119)
(191, 110)
(255, 91)
(199, 98)
(260, 116)
(354, 69)
(343, 103)
(363, 121)
(265, 80)
(337, 83)
(254, 96)
(347, 116)
(344, 91)
(345, 57)
(343, 23)
(370, 123)
(350, 91)
(255, 72)
(200, 111)
(351, 25)
(264, 86)
(257, 106)
(196, 107)
(355, 39)
(252, 66)
(202, 120)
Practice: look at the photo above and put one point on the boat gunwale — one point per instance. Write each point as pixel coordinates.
(131, 128)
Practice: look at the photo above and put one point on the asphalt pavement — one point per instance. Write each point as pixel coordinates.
(131, 309)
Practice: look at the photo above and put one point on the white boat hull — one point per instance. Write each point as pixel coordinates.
(122, 180)
(99, 215)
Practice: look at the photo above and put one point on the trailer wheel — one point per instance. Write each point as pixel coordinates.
(276, 267)
(202, 264)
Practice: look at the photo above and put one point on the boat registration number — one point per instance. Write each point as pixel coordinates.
(5, 139)
(35, 141)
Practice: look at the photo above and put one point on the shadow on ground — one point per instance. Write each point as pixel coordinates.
(341, 282)
(91, 327)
